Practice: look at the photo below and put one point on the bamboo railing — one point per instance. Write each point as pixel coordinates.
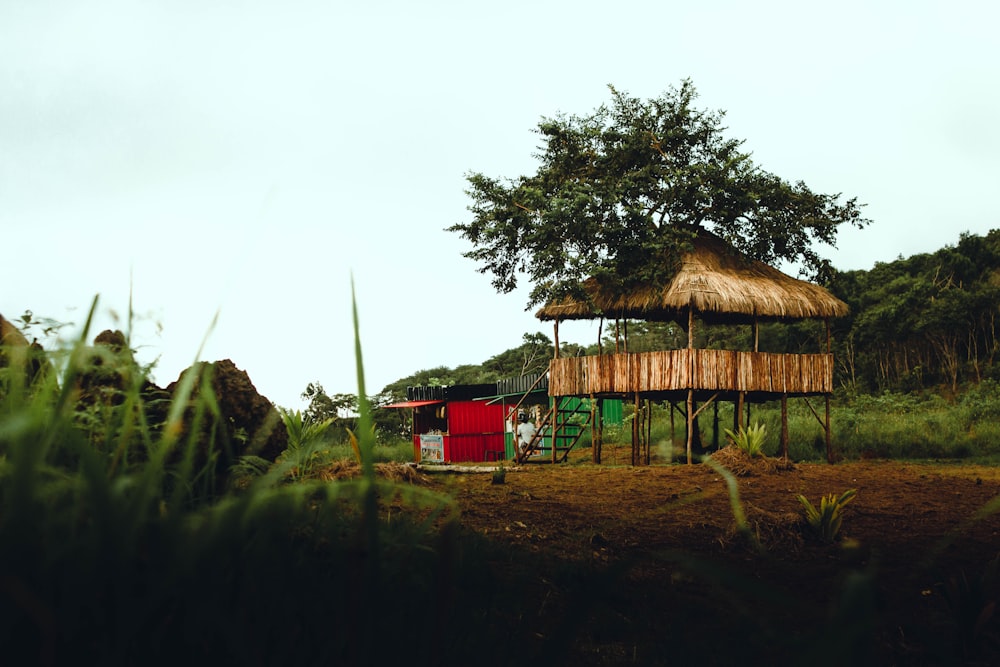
(710, 370)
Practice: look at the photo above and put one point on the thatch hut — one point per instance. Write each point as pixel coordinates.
(714, 283)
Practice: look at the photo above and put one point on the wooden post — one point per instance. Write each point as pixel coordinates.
(636, 430)
(649, 428)
(690, 397)
(673, 437)
(738, 411)
(690, 327)
(690, 424)
(715, 425)
(555, 428)
(829, 438)
(555, 334)
(597, 429)
(784, 425)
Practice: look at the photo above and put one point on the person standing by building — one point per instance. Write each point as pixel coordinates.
(525, 433)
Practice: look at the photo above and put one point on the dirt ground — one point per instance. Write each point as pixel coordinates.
(890, 592)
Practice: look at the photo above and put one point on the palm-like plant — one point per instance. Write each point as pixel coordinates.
(826, 520)
(749, 440)
(305, 437)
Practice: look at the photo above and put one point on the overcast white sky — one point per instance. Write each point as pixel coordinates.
(246, 158)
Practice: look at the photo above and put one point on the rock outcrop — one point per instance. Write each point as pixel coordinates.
(249, 422)
(15, 350)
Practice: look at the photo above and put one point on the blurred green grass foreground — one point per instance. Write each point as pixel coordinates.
(123, 542)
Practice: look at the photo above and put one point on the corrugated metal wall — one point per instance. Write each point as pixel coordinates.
(521, 385)
(474, 428)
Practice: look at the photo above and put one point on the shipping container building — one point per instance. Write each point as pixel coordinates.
(474, 423)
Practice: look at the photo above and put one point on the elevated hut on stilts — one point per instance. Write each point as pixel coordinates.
(714, 284)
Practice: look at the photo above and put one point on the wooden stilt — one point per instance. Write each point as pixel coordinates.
(784, 425)
(598, 439)
(649, 428)
(556, 428)
(715, 426)
(636, 430)
(673, 434)
(829, 438)
(593, 429)
(738, 411)
(690, 424)
(690, 397)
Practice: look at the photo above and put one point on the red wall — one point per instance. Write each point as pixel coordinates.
(474, 427)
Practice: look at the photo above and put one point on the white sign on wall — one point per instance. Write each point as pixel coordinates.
(431, 448)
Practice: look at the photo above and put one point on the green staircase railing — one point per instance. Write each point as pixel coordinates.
(560, 429)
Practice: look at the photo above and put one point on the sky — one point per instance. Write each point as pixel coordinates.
(231, 168)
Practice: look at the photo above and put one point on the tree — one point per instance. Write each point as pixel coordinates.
(926, 319)
(620, 193)
(532, 356)
(322, 406)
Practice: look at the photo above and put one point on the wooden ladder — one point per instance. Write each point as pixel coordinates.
(554, 427)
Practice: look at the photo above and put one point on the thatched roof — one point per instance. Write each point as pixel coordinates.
(718, 282)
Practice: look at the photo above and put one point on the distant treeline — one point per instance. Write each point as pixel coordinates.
(926, 321)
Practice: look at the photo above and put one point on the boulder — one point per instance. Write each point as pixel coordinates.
(15, 350)
(250, 423)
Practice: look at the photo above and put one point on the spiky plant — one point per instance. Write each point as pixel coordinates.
(749, 440)
(826, 520)
(305, 440)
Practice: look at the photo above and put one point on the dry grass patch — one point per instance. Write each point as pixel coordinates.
(741, 464)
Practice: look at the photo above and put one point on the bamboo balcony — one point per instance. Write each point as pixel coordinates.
(701, 370)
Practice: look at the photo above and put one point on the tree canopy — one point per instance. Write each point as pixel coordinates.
(620, 193)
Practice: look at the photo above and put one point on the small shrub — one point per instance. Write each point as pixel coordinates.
(749, 440)
(306, 442)
(500, 475)
(826, 520)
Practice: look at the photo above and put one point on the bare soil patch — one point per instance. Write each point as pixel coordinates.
(682, 581)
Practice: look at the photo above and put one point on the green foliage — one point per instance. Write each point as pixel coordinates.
(114, 551)
(306, 442)
(919, 425)
(34, 326)
(531, 356)
(922, 321)
(500, 475)
(749, 440)
(884, 426)
(322, 406)
(619, 193)
(826, 520)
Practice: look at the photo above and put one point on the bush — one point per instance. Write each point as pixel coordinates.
(825, 520)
